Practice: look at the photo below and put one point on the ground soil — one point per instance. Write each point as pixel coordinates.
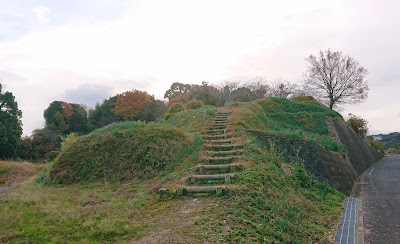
(178, 223)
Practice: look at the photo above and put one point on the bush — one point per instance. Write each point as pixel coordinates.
(68, 141)
(52, 155)
(194, 103)
(378, 145)
(176, 107)
(358, 124)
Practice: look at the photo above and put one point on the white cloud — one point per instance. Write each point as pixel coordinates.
(42, 13)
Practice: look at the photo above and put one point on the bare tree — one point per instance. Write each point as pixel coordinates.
(259, 86)
(336, 79)
(282, 88)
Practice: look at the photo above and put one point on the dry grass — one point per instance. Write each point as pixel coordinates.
(16, 172)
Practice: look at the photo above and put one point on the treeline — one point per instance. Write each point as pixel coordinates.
(63, 118)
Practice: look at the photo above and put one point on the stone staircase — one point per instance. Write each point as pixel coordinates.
(222, 155)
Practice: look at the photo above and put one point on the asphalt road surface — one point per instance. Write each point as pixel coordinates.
(380, 190)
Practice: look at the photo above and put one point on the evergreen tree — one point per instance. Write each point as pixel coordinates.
(10, 124)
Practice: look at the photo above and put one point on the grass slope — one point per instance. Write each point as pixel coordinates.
(128, 150)
(278, 203)
(298, 118)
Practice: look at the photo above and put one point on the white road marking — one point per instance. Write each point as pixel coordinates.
(371, 171)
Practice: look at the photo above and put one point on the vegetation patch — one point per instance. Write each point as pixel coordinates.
(111, 177)
(281, 204)
(301, 120)
(122, 151)
(16, 171)
(135, 149)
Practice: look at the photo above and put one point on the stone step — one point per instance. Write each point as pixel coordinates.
(218, 142)
(224, 153)
(216, 127)
(220, 120)
(214, 137)
(223, 146)
(212, 168)
(214, 132)
(220, 160)
(208, 128)
(218, 190)
(221, 126)
(223, 123)
(212, 178)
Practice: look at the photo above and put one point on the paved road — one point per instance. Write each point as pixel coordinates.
(380, 190)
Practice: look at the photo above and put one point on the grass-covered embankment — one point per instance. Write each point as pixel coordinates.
(298, 118)
(129, 150)
(115, 174)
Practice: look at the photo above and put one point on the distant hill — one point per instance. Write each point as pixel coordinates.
(391, 140)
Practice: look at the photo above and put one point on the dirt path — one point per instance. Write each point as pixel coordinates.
(380, 190)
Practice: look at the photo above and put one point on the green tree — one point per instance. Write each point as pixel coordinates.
(155, 110)
(203, 93)
(25, 149)
(177, 89)
(103, 114)
(242, 94)
(79, 120)
(65, 118)
(10, 124)
(45, 141)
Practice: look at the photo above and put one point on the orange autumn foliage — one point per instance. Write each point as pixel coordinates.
(131, 103)
(181, 99)
(67, 110)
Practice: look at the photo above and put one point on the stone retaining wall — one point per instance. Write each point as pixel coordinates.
(340, 170)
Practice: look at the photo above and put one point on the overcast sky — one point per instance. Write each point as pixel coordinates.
(84, 51)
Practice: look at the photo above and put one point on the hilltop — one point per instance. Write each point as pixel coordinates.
(106, 183)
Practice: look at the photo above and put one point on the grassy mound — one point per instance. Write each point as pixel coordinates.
(307, 99)
(127, 150)
(16, 171)
(123, 151)
(278, 202)
(301, 120)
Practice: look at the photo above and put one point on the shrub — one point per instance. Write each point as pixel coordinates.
(68, 141)
(176, 107)
(378, 145)
(194, 103)
(358, 124)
